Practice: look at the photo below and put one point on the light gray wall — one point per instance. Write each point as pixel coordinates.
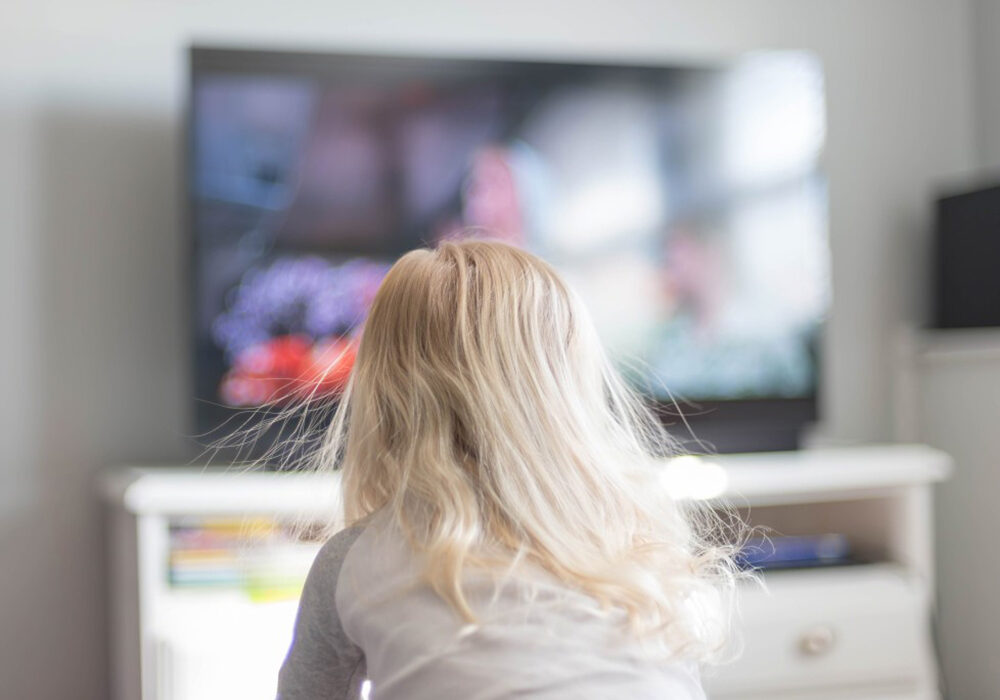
(958, 406)
(94, 335)
(986, 44)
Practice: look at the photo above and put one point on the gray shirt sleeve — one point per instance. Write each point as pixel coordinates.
(322, 663)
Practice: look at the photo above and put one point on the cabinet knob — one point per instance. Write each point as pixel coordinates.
(817, 640)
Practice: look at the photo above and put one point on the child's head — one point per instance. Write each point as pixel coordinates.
(476, 366)
(483, 415)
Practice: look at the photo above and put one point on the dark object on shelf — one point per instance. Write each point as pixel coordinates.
(967, 260)
(795, 552)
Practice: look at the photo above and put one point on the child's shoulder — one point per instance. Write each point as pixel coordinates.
(334, 551)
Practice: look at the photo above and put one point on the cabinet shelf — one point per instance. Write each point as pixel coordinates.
(812, 633)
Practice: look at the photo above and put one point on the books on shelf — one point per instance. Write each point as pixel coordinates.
(263, 557)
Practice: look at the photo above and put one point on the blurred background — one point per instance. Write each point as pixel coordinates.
(95, 264)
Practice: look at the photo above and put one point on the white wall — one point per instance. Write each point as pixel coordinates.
(958, 382)
(986, 72)
(91, 257)
(958, 402)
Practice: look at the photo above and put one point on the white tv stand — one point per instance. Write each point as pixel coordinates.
(859, 632)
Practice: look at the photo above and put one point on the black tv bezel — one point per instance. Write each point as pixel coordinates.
(725, 426)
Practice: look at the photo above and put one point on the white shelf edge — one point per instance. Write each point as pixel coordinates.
(956, 345)
(751, 479)
(830, 473)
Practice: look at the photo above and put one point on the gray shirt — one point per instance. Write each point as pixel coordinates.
(365, 615)
(323, 662)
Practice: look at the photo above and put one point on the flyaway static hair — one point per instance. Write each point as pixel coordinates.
(484, 418)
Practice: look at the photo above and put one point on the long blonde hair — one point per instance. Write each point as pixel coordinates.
(484, 418)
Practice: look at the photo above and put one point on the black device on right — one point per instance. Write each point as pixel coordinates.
(967, 260)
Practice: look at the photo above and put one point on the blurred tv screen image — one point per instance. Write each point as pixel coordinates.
(685, 204)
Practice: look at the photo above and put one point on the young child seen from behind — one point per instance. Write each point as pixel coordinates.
(508, 533)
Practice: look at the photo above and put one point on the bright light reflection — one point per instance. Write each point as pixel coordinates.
(697, 478)
(774, 132)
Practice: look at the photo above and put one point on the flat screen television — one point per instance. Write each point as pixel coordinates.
(685, 202)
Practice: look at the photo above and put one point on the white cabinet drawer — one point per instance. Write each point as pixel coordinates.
(822, 629)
